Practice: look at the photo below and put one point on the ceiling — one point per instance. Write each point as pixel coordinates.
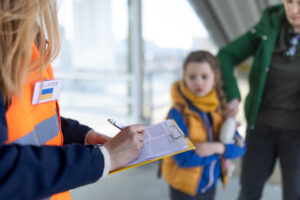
(226, 19)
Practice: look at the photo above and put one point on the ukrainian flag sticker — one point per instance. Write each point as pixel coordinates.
(46, 94)
(46, 91)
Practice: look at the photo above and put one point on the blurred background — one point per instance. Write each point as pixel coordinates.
(118, 60)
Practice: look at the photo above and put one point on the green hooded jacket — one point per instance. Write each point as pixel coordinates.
(258, 42)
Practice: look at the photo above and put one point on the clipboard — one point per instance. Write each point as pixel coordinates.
(174, 133)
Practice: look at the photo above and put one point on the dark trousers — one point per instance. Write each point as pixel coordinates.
(177, 195)
(264, 145)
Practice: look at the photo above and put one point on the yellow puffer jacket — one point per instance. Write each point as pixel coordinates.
(187, 179)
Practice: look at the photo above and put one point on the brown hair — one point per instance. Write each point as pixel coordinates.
(204, 56)
(22, 22)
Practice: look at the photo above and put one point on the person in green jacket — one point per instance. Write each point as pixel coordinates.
(272, 106)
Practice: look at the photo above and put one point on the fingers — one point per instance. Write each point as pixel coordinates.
(138, 128)
(126, 146)
(231, 113)
(232, 110)
(140, 137)
(136, 131)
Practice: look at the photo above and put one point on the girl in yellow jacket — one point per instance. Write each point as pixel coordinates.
(199, 110)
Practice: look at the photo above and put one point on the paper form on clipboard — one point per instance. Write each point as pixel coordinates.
(161, 140)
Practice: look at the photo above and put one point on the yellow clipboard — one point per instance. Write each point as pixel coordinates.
(190, 146)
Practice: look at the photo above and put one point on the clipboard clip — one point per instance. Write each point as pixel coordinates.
(175, 132)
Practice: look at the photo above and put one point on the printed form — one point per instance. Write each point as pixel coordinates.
(161, 139)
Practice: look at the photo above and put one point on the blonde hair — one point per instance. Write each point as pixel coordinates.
(21, 23)
(204, 56)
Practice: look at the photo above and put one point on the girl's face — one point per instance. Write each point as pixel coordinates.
(199, 78)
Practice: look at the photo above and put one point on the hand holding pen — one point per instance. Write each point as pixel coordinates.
(126, 145)
(116, 124)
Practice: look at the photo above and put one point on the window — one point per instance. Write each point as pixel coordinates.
(93, 60)
(169, 35)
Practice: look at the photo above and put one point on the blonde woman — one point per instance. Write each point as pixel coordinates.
(35, 161)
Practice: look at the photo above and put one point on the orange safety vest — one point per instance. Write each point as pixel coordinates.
(35, 124)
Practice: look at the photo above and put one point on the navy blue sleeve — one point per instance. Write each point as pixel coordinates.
(188, 158)
(31, 172)
(233, 151)
(73, 131)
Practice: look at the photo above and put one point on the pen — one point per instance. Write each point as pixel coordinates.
(114, 122)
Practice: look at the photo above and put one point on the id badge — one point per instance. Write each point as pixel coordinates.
(46, 91)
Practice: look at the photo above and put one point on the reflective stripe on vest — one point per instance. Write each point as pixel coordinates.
(42, 133)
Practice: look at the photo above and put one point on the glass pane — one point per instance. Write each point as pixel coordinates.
(169, 35)
(93, 60)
